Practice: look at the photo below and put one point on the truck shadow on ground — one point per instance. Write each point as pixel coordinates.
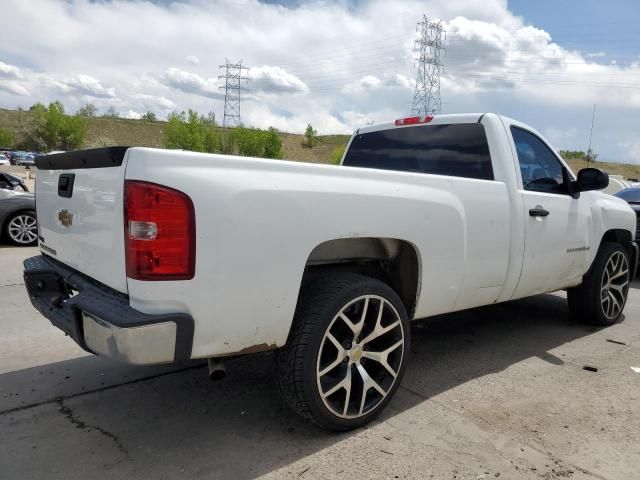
(238, 427)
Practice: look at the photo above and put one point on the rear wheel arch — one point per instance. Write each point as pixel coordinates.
(396, 262)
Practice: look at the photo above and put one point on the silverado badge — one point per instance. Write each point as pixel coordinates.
(65, 218)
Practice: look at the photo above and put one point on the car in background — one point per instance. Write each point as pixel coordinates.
(632, 197)
(18, 216)
(25, 159)
(4, 160)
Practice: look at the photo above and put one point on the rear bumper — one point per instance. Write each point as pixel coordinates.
(100, 319)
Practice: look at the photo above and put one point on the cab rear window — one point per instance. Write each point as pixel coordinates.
(459, 150)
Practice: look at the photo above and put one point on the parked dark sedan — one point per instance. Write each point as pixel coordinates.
(632, 197)
(17, 215)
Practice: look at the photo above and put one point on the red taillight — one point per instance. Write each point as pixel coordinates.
(413, 120)
(160, 232)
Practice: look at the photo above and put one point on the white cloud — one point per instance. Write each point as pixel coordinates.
(596, 54)
(193, 60)
(132, 115)
(273, 79)
(11, 71)
(14, 88)
(191, 83)
(152, 102)
(87, 85)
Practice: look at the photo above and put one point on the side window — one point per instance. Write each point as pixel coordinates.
(540, 168)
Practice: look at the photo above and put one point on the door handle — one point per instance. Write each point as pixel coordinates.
(538, 212)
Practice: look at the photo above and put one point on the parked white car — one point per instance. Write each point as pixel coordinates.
(154, 256)
(4, 160)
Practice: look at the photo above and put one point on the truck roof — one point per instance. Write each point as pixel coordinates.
(436, 119)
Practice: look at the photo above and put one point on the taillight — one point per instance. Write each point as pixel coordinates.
(413, 120)
(160, 232)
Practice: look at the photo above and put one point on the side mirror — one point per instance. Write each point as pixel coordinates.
(591, 179)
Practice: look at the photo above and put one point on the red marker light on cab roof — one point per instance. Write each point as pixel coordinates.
(413, 120)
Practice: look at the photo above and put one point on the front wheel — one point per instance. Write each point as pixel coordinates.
(603, 293)
(346, 351)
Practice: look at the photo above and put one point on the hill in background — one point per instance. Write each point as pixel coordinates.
(143, 133)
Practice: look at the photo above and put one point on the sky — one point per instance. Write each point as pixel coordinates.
(337, 64)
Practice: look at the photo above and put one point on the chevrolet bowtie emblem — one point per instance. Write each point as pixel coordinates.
(65, 218)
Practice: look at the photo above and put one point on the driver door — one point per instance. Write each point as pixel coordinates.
(556, 224)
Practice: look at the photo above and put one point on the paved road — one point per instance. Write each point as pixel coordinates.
(496, 392)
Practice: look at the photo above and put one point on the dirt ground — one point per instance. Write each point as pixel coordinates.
(498, 392)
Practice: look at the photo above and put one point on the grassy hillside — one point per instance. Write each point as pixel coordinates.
(151, 134)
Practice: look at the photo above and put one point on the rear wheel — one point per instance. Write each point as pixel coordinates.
(21, 229)
(601, 298)
(346, 352)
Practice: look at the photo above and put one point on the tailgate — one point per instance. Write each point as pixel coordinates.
(79, 203)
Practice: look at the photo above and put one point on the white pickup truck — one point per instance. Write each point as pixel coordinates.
(156, 256)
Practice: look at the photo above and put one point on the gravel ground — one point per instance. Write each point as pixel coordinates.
(498, 392)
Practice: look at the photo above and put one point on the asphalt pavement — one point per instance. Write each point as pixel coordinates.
(496, 392)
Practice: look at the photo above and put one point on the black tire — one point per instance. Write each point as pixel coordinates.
(297, 363)
(585, 301)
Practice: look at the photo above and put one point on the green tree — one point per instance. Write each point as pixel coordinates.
(149, 116)
(6, 138)
(111, 113)
(52, 129)
(272, 144)
(89, 110)
(249, 141)
(190, 131)
(310, 137)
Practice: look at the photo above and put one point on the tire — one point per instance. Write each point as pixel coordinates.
(328, 355)
(602, 296)
(21, 229)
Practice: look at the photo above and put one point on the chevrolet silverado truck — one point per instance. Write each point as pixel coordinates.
(153, 256)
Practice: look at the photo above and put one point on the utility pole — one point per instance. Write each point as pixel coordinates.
(593, 119)
(426, 98)
(233, 77)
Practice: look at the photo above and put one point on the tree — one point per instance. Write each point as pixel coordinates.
(272, 144)
(310, 136)
(149, 116)
(89, 110)
(6, 137)
(111, 113)
(52, 129)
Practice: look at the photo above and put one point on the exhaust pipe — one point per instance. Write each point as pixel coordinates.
(217, 371)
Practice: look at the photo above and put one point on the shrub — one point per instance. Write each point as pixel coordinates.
(111, 113)
(149, 116)
(336, 155)
(190, 131)
(310, 137)
(272, 144)
(89, 110)
(52, 129)
(6, 137)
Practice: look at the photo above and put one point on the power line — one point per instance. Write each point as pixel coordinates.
(426, 98)
(232, 87)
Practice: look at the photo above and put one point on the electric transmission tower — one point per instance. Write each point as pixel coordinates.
(426, 99)
(233, 78)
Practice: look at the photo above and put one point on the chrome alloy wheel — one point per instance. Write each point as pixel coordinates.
(360, 356)
(23, 229)
(614, 285)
